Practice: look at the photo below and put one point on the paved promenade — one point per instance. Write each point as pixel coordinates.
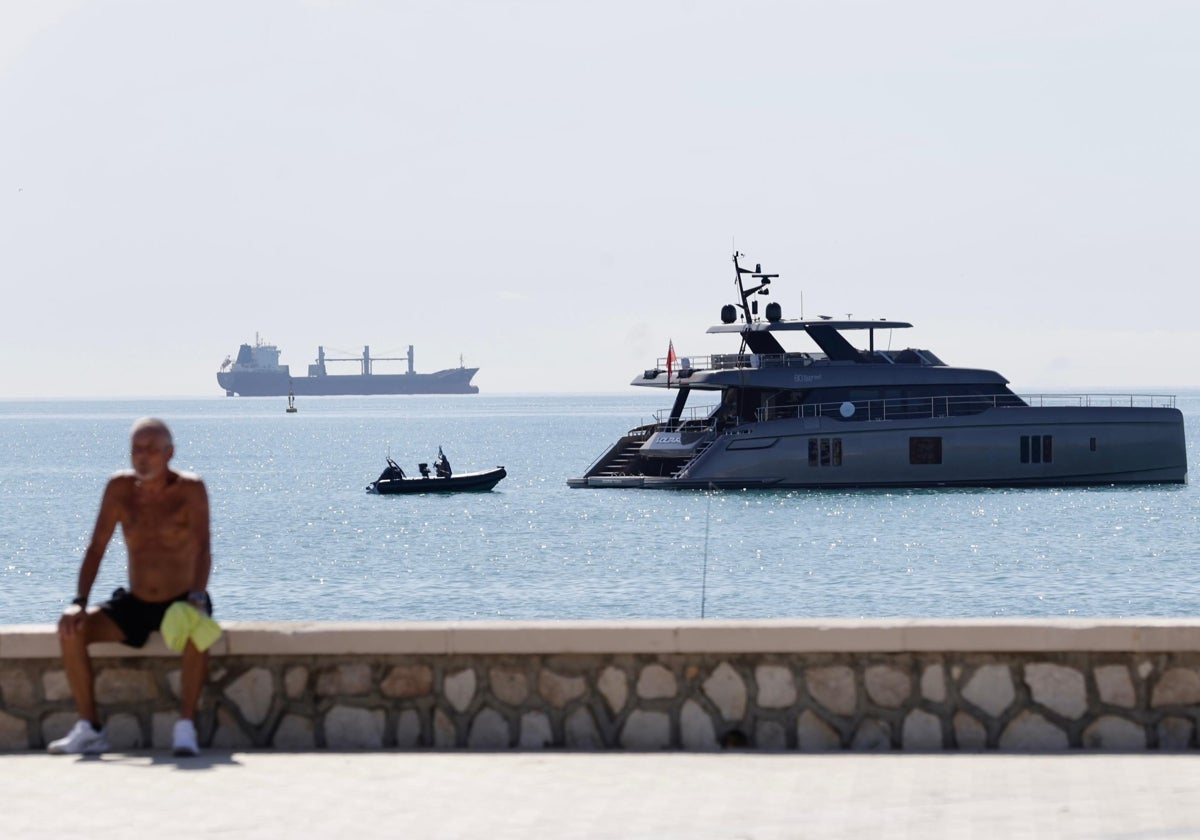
(503, 796)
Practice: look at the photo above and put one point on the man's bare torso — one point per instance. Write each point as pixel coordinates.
(162, 533)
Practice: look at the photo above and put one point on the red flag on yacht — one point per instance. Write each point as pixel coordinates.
(670, 360)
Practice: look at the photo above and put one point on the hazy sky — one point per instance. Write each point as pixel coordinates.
(554, 189)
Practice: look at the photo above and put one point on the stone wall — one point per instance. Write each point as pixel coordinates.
(775, 685)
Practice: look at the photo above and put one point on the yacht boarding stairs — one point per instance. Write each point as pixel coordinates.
(660, 452)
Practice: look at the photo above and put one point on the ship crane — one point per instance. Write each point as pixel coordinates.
(366, 360)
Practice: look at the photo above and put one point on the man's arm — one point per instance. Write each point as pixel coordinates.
(106, 524)
(201, 537)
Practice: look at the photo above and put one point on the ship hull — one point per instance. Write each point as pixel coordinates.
(1091, 446)
(279, 384)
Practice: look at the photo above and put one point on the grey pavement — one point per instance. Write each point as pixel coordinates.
(599, 795)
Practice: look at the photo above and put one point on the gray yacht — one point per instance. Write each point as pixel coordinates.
(840, 415)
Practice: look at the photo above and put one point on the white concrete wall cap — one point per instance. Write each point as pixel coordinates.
(1138, 635)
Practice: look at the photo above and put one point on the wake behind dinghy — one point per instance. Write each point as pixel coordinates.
(442, 479)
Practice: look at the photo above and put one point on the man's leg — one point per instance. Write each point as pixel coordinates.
(195, 669)
(86, 736)
(194, 672)
(96, 627)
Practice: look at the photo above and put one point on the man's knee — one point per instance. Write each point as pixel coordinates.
(193, 656)
(76, 642)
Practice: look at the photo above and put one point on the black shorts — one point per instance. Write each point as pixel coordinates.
(137, 618)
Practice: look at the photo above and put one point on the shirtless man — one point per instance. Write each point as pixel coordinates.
(164, 518)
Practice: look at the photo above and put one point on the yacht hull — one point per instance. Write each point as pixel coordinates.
(1017, 447)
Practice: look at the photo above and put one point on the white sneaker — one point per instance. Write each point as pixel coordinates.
(185, 738)
(83, 739)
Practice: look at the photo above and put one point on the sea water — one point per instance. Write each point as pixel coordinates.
(295, 535)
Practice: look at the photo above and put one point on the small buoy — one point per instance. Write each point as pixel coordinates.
(291, 409)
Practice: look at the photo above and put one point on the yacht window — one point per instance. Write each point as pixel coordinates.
(782, 404)
(1039, 449)
(824, 452)
(925, 450)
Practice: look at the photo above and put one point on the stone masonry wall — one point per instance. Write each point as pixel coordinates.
(773, 700)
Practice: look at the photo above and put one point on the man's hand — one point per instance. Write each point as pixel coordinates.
(71, 620)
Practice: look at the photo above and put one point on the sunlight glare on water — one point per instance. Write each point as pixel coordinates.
(295, 536)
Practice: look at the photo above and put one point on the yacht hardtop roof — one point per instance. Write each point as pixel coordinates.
(825, 323)
(827, 333)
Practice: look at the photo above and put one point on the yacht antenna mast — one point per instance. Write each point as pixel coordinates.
(750, 308)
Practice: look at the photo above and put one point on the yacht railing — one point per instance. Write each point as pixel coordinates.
(703, 417)
(733, 361)
(686, 365)
(1110, 400)
(694, 418)
(922, 408)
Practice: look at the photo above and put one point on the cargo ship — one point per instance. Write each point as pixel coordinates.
(256, 372)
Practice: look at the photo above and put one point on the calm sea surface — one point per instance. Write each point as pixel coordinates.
(296, 537)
